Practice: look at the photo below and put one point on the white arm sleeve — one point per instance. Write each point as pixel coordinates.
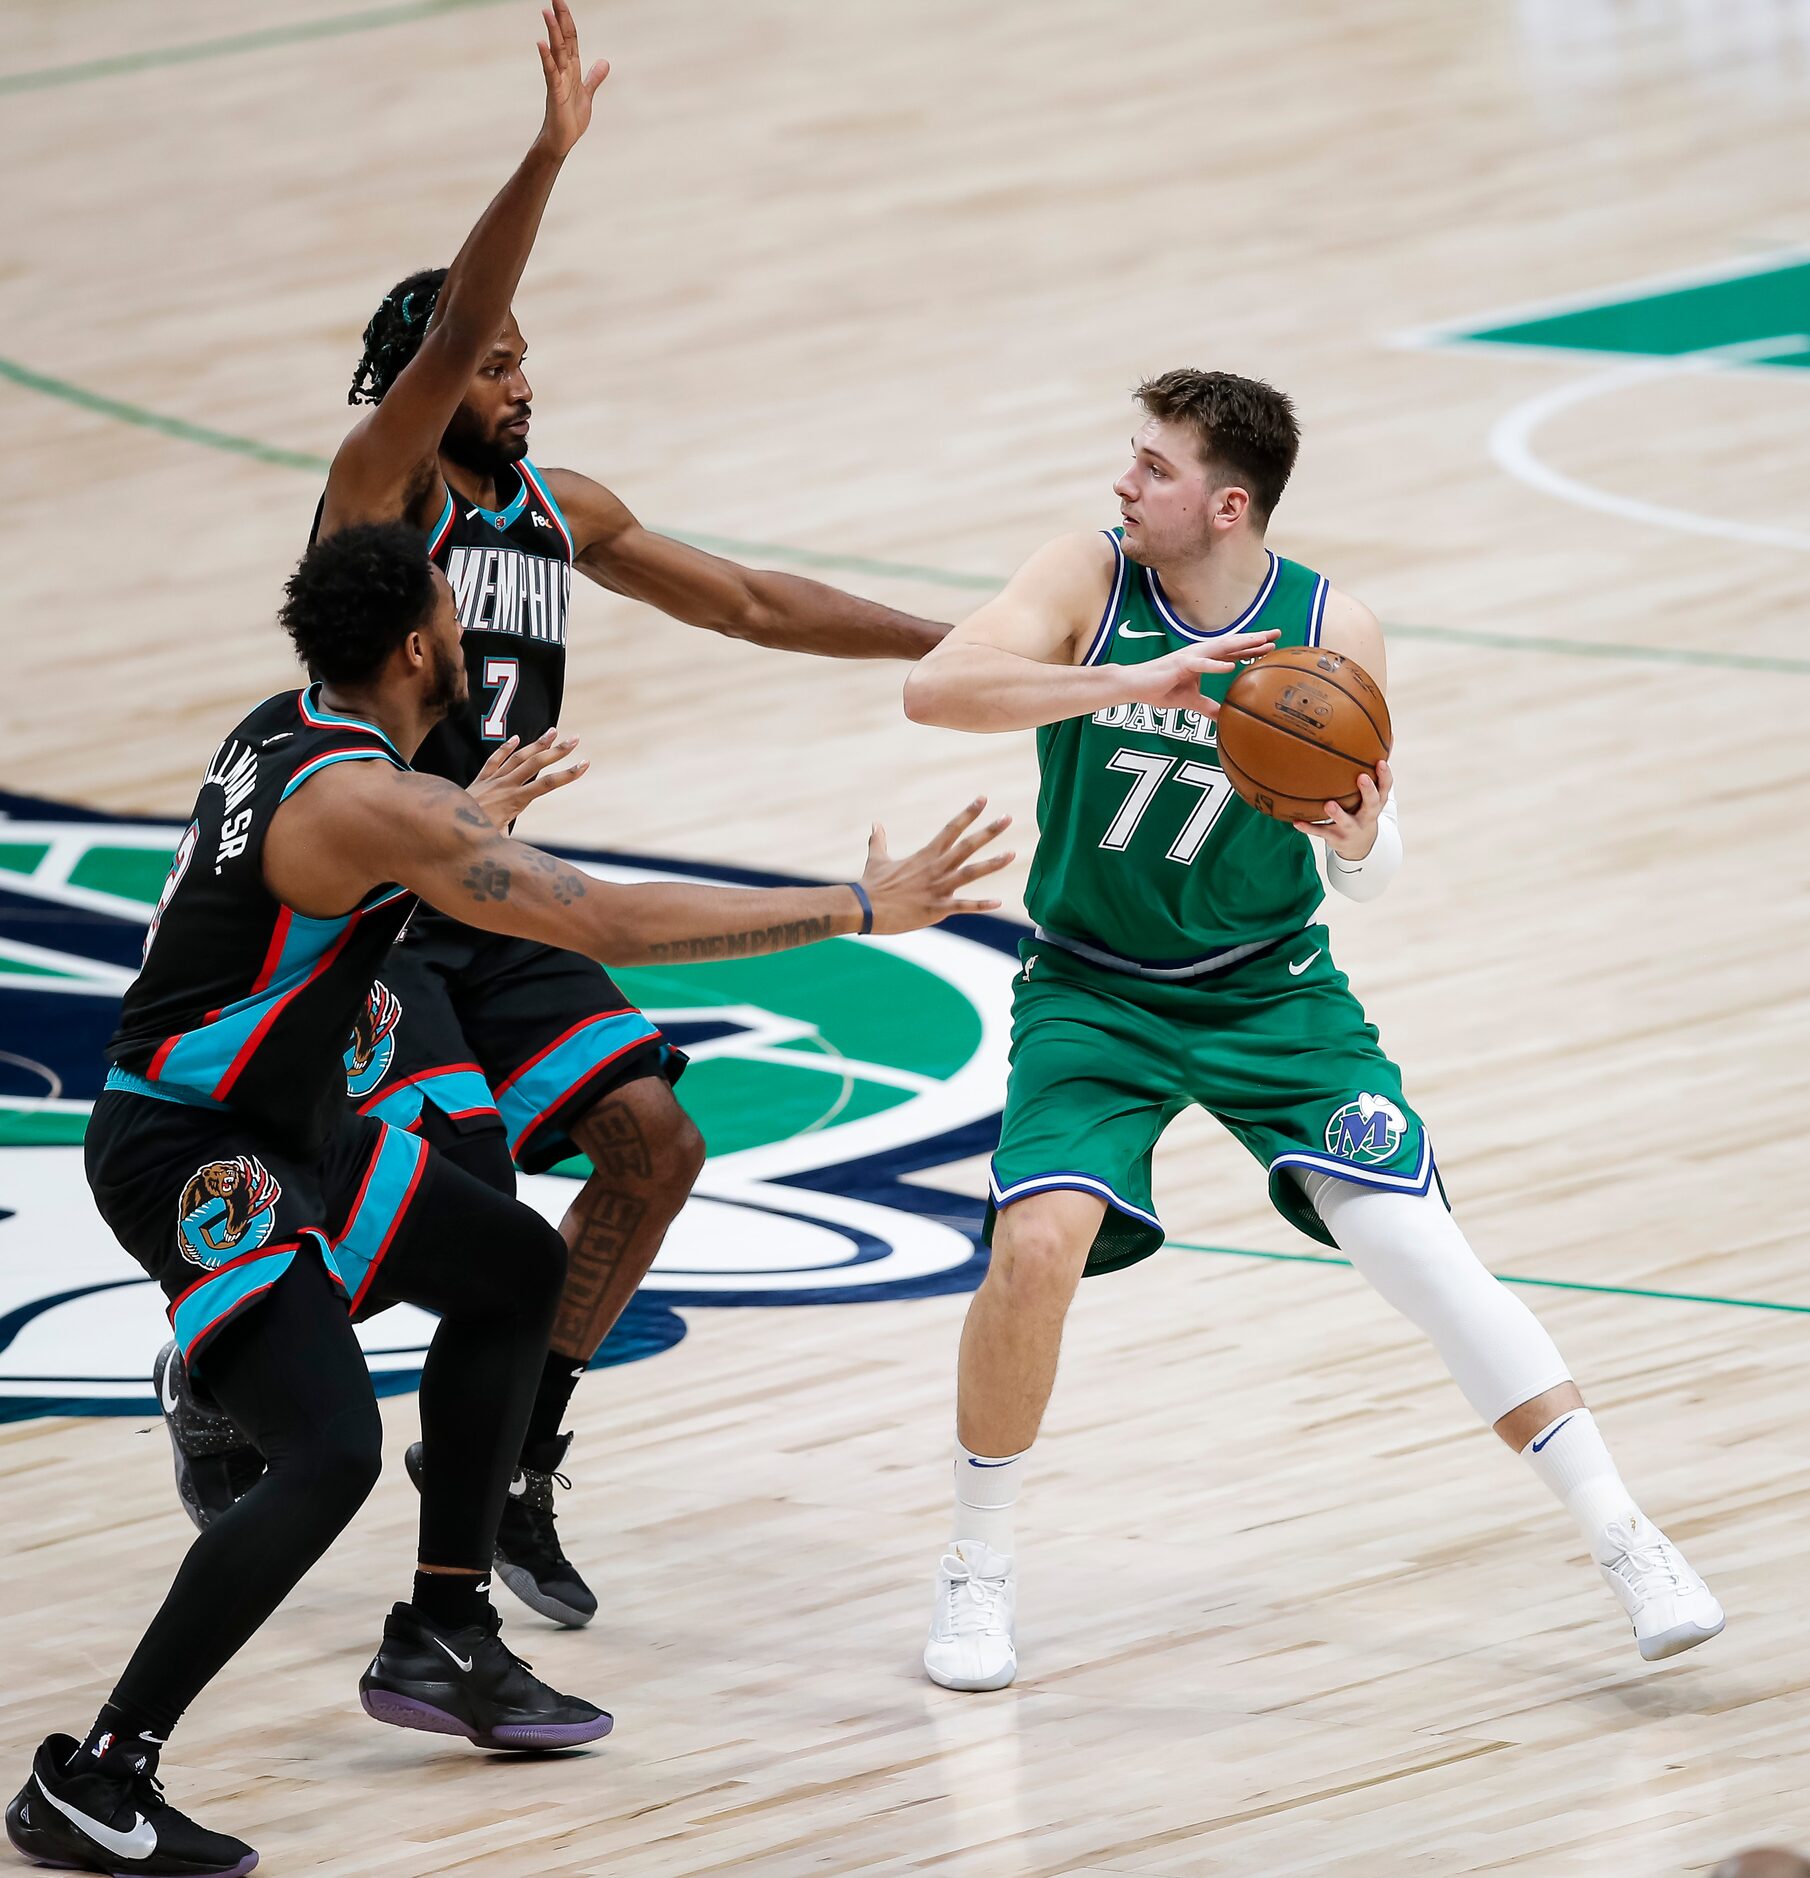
(1366, 879)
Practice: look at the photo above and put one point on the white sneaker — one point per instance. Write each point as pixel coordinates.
(1672, 1608)
(970, 1644)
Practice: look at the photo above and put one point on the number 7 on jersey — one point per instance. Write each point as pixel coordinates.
(505, 675)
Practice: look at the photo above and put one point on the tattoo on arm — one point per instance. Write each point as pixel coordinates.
(738, 945)
(470, 817)
(486, 880)
(566, 884)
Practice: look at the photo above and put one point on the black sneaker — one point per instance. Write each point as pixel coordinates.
(111, 1816)
(215, 1464)
(468, 1682)
(528, 1556)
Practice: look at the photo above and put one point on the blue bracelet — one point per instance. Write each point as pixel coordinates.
(867, 906)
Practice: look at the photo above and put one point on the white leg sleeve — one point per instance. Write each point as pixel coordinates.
(1410, 1249)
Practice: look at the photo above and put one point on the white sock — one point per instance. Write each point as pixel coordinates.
(986, 1489)
(1570, 1456)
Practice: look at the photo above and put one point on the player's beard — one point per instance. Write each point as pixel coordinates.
(483, 453)
(449, 687)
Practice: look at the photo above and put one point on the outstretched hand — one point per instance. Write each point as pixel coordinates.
(921, 889)
(517, 773)
(1172, 683)
(570, 88)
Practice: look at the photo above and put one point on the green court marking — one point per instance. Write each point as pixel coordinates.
(210, 439)
(132, 873)
(21, 857)
(1542, 1284)
(1758, 303)
(333, 27)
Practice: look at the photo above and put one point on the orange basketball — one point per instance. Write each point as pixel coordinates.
(1297, 727)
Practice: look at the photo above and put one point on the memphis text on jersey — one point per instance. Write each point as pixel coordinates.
(501, 590)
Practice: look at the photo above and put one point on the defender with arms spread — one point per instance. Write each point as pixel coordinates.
(226, 1160)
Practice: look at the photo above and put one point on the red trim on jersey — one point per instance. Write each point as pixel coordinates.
(535, 1122)
(162, 1057)
(249, 1047)
(273, 956)
(566, 1036)
(452, 515)
(546, 501)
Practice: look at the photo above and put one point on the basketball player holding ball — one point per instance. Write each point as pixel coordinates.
(1175, 960)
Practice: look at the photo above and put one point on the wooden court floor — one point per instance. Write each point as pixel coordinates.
(863, 288)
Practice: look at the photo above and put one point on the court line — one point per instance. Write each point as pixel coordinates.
(333, 27)
(1511, 441)
(206, 437)
(1541, 1284)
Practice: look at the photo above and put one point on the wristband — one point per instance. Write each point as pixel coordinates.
(867, 906)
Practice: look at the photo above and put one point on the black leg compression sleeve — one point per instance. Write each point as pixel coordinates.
(492, 1268)
(290, 1373)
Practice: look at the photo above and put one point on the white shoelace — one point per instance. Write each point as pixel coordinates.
(979, 1612)
(1641, 1563)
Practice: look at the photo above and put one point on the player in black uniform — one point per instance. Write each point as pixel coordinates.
(504, 1054)
(225, 1158)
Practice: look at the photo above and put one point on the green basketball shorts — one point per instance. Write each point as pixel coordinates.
(1276, 1047)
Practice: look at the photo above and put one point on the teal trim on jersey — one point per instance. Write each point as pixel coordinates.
(316, 713)
(437, 534)
(504, 519)
(544, 489)
(326, 762)
(123, 1082)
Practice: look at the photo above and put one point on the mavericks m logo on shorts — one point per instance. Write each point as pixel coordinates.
(1367, 1131)
(228, 1208)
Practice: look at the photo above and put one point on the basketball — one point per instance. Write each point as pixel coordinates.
(1297, 727)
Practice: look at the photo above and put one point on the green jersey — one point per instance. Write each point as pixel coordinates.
(1147, 860)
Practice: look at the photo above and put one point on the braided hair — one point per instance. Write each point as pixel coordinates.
(394, 334)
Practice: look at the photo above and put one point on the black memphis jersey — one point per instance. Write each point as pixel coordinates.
(511, 574)
(241, 1000)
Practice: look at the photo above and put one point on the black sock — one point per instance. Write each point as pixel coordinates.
(452, 1600)
(558, 1378)
(121, 1738)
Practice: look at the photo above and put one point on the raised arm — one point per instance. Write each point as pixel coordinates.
(390, 455)
(778, 610)
(1016, 663)
(356, 825)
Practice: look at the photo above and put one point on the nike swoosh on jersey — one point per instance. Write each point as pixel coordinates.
(1296, 969)
(1128, 631)
(139, 1843)
(462, 1662)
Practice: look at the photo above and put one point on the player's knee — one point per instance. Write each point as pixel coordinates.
(339, 1466)
(1037, 1257)
(679, 1156)
(538, 1264)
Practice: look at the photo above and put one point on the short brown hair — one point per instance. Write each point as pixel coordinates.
(1241, 424)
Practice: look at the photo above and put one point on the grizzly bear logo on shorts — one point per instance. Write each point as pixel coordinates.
(373, 1045)
(227, 1207)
